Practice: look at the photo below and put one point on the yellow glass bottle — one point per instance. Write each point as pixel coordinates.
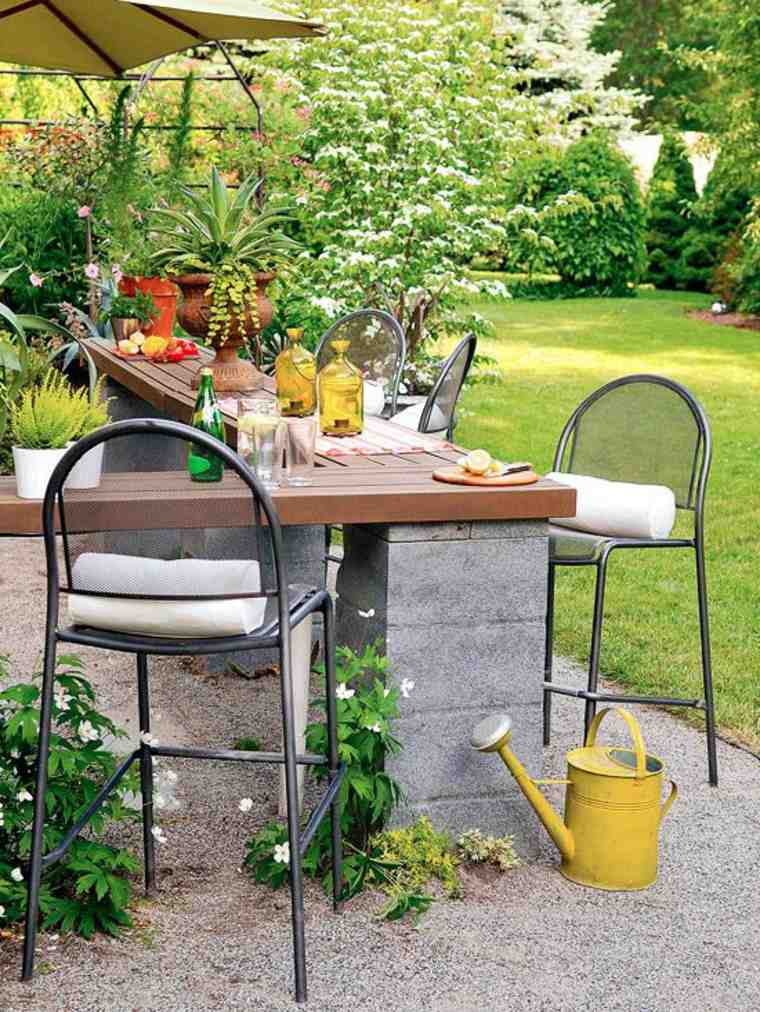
(341, 395)
(296, 375)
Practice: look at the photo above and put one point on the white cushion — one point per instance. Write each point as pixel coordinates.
(374, 398)
(410, 419)
(127, 574)
(618, 509)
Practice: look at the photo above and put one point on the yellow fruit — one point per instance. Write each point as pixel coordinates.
(154, 347)
(478, 461)
(129, 348)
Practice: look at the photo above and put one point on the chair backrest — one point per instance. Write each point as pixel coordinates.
(644, 429)
(378, 348)
(262, 533)
(440, 407)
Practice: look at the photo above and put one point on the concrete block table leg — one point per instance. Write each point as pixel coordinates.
(460, 610)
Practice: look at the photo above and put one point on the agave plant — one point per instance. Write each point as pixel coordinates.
(218, 228)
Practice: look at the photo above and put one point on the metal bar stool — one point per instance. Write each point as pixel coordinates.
(281, 609)
(649, 430)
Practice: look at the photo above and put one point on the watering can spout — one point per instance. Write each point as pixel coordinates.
(494, 735)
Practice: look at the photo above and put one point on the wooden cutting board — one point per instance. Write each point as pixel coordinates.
(456, 476)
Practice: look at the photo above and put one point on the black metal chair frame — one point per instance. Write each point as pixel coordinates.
(278, 635)
(694, 503)
(466, 346)
(388, 320)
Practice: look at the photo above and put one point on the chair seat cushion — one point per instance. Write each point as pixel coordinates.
(618, 509)
(566, 545)
(186, 578)
(410, 419)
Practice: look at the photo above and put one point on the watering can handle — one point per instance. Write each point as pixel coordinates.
(633, 727)
(669, 800)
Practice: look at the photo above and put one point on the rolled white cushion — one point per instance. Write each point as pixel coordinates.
(126, 574)
(410, 419)
(618, 509)
(374, 398)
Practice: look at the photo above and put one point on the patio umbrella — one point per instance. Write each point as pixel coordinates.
(109, 37)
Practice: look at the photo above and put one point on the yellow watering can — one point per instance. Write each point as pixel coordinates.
(612, 805)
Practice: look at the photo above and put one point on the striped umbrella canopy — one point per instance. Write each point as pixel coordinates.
(109, 37)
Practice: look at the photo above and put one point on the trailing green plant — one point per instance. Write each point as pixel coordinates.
(50, 416)
(139, 306)
(499, 851)
(88, 890)
(671, 196)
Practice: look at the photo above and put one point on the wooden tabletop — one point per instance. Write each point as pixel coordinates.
(375, 489)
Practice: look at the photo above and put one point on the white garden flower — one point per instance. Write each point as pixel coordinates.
(367, 614)
(373, 727)
(158, 834)
(17, 875)
(282, 853)
(406, 687)
(2, 911)
(62, 698)
(87, 732)
(246, 804)
(386, 693)
(343, 691)
(24, 795)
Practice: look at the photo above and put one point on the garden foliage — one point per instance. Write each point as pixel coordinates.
(578, 212)
(669, 200)
(88, 890)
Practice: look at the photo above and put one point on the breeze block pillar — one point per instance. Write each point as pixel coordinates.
(459, 608)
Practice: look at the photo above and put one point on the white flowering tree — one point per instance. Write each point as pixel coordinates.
(400, 129)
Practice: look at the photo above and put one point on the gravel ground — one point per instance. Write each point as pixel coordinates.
(531, 940)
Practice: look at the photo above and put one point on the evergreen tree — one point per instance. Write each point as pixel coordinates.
(713, 227)
(671, 194)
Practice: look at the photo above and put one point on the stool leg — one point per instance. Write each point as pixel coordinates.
(596, 640)
(294, 828)
(34, 872)
(704, 631)
(328, 613)
(146, 775)
(549, 653)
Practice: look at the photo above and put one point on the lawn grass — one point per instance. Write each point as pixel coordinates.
(554, 353)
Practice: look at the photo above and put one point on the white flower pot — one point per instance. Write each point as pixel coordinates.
(87, 471)
(33, 470)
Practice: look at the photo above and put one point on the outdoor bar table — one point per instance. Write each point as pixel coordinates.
(450, 579)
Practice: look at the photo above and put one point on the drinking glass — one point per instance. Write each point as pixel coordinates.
(261, 439)
(300, 448)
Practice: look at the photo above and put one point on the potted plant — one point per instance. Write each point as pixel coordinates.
(44, 422)
(223, 251)
(88, 470)
(129, 314)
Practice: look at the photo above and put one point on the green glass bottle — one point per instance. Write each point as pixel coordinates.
(204, 465)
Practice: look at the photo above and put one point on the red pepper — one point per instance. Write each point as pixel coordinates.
(189, 349)
(175, 355)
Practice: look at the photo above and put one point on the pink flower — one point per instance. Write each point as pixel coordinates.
(35, 280)
(84, 211)
(92, 271)
(282, 86)
(116, 272)
(303, 112)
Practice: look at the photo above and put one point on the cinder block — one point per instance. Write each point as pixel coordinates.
(483, 665)
(467, 581)
(490, 529)
(457, 530)
(139, 453)
(437, 760)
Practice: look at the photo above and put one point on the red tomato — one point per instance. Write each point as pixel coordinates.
(176, 355)
(189, 348)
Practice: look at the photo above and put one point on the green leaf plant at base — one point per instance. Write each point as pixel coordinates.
(399, 862)
(87, 891)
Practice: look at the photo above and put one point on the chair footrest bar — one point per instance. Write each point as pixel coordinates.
(94, 805)
(319, 812)
(608, 697)
(232, 755)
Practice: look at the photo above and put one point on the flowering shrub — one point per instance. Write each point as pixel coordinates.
(87, 891)
(408, 119)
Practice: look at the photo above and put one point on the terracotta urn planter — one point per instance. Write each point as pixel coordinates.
(164, 295)
(231, 373)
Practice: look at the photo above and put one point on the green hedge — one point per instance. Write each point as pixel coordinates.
(671, 195)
